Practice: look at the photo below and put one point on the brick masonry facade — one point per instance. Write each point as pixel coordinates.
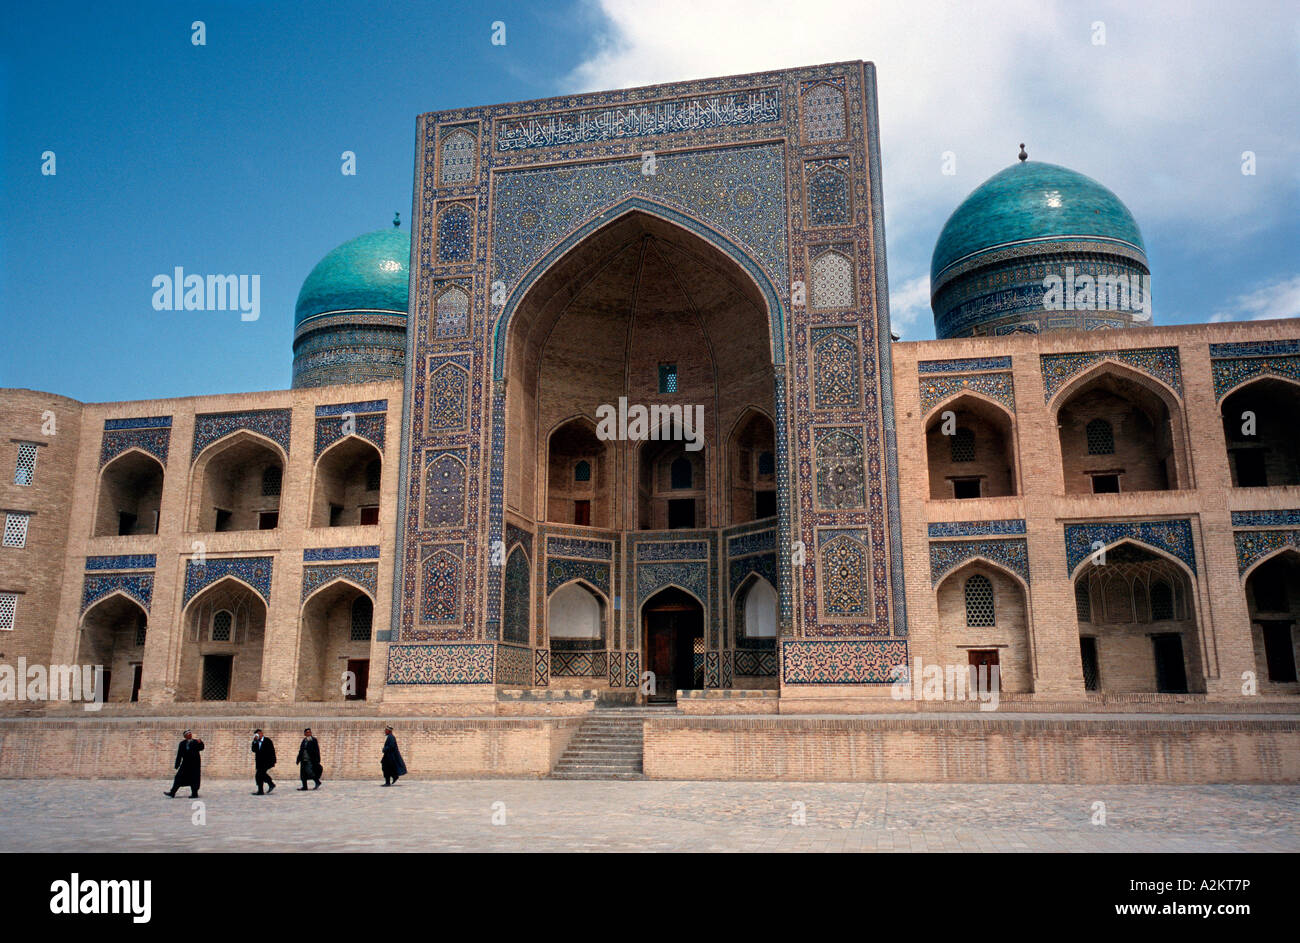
(715, 243)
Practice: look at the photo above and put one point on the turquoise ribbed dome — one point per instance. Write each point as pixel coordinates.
(369, 272)
(1032, 202)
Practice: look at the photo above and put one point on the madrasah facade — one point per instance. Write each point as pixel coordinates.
(430, 520)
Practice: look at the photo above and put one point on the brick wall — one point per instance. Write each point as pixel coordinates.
(955, 749)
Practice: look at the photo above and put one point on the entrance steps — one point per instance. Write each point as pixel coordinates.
(609, 745)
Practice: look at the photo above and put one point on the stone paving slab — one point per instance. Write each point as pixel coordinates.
(116, 815)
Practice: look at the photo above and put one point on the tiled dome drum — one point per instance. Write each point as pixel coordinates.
(1039, 247)
(350, 319)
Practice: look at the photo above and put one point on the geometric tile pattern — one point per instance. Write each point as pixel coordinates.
(461, 663)
(561, 570)
(1281, 518)
(139, 586)
(947, 555)
(139, 561)
(457, 158)
(832, 280)
(152, 435)
(977, 528)
(839, 468)
(579, 664)
(751, 664)
(829, 202)
(964, 365)
(996, 386)
(514, 665)
(1159, 362)
(365, 575)
(1254, 544)
(574, 547)
(836, 363)
(845, 563)
(455, 233)
(255, 571)
(1230, 373)
(444, 488)
(324, 554)
(272, 423)
(514, 612)
(440, 585)
(823, 113)
(1173, 537)
(843, 661)
(763, 564)
(371, 426)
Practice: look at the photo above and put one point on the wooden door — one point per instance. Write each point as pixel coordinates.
(360, 668)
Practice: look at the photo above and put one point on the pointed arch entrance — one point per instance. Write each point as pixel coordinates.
(673, 629)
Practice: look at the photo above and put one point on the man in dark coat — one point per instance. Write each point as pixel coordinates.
(189, 766)
(263, 760)
(309, 760)
(391, 763)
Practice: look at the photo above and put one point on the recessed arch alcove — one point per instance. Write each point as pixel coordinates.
(640, 312)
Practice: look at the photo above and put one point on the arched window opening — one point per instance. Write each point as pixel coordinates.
(979, 601)
(963, 445)
(223, 625)
(681, 473)
(1101, 437)
(1162, 601)
(363, 617)
(582, 471)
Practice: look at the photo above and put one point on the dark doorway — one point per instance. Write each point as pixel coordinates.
(986, 658)
(137, 675)
(216, 677)
(1251, 469)
(674, 628)
(1171, 672)
(1091, 673)
(1279, 652)
(582, 513)
(681, 513)
(360, 668)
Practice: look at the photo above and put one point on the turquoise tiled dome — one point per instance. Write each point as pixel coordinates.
(1025, 229)
(369, 272)
(1033, 202)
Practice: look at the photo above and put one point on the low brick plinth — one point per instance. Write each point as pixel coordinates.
(977, 749)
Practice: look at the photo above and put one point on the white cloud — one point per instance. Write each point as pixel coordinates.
(1275, 299)
(1160, 113)
(909, 305)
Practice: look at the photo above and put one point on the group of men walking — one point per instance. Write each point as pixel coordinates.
(189, 762)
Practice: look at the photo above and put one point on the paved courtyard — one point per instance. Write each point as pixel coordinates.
(78, 815)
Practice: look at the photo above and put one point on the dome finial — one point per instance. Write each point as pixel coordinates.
(397, 217)
(1024, 155)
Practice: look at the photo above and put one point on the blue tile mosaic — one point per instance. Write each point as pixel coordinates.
(253, 571)
(324, 554)
(137, 561)
(1171, 536)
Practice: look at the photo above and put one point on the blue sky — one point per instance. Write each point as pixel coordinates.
(225, 158)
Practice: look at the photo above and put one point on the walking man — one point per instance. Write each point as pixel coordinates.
(391, 763)
(263, 760)
(189, 765)
(309, 760)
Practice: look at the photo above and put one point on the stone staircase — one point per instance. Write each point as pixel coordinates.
(608, 745)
